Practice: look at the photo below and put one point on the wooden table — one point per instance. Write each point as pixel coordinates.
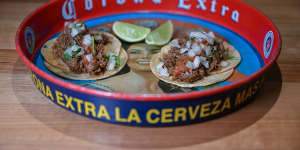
(29, 121)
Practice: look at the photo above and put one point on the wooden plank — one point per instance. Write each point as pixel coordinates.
(11, 15)
(27, 116)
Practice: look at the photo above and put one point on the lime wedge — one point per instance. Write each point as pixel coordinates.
(162, 35)
(129, 32)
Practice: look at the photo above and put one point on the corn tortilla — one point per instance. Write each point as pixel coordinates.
(212, 78)
(57, 66)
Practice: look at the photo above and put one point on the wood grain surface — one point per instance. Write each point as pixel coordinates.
(272, 122)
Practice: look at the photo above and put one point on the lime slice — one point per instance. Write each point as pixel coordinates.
(162, 35)
(129, 32)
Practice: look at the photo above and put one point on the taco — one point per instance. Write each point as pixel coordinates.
(200, 59)
(82, 54)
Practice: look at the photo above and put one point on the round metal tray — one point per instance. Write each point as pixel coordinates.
(134, 97)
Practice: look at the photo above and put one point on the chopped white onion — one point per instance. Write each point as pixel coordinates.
(87, 40)
(68, 51)
(215, 48)
(208, 51)
(200, 36)
(190, 65)
(210, 40)
(206, 64)
(76, 29)
(74, 48)
(211, 35)
(187, 73)
(196, 62)
(162, 70)
(224, 64)
(89, 57)
(191, 53)
(183, 50)
(196, 49)
(202, 59)
(188, 44)
(159, 66)
(111, 63)
(74, 32)
(175, 43)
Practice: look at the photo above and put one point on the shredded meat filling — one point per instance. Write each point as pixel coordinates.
(176, 62)
(78, 64)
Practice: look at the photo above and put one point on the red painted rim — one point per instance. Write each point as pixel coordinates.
(140, 97)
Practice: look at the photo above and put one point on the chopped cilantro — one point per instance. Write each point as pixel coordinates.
(227, 57)
(74, 53)
(193, 38)
(218, 54)
(79, 25)
(93, 46)
(117, 58)
(74, 42)
(67, 56)
(106, 57)
(210, 56)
